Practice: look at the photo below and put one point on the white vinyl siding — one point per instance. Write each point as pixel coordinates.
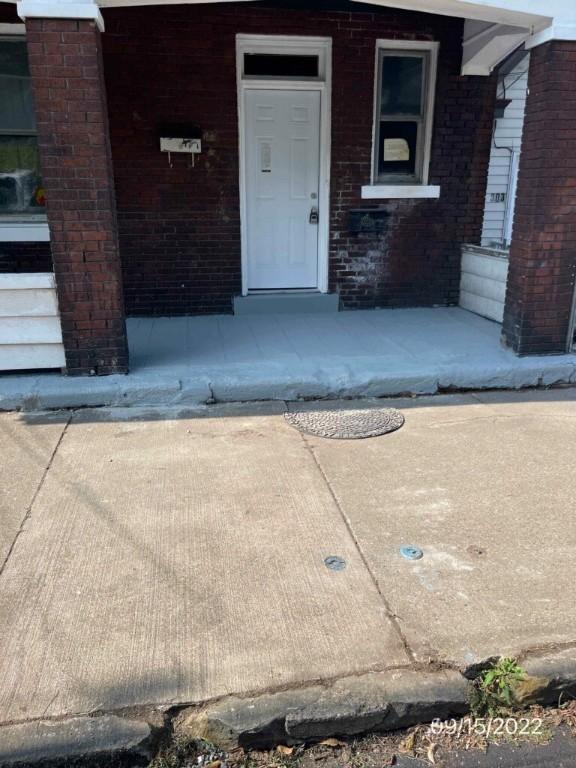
(30, 333)
(506, 146)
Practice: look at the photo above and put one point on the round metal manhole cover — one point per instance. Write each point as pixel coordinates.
(346, 424)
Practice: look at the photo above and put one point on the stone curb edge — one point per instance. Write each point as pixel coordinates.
(379, 701)
(350, 706)
(95, 740)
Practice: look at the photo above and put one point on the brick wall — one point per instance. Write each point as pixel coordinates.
(543, 251)
(66, 67)
(180, 227)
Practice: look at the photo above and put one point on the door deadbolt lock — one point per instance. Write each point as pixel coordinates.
(313, 216)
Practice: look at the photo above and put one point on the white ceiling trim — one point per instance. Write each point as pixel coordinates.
(485, 49)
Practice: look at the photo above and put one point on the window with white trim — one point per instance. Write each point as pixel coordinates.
(21, 190)
(405, 84)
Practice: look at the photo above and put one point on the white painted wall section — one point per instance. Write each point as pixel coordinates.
(483, 281)
(30, 330)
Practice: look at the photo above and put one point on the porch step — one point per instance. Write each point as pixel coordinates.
(286, 303)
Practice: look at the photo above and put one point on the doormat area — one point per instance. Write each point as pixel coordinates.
(347, 424)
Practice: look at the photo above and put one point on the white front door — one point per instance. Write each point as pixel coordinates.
(282, 129)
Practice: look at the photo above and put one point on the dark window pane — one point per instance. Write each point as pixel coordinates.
(20, 183)
(16, 105)
(401, 89)
(280, 65)
(397, 148)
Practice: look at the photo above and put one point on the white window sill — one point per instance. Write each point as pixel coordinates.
(24, 229)
(388, 191)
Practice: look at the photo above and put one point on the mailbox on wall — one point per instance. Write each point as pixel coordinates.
(172, 144)
(180, 138)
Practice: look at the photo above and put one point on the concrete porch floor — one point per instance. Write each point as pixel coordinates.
(190, 360)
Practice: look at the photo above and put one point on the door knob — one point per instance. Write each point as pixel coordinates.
(313, 215)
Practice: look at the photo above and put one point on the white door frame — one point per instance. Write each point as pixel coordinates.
(293, 45)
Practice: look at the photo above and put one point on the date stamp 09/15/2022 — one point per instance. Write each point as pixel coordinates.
(487, 726)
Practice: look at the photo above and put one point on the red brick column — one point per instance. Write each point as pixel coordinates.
(66, 66)
(543, 251)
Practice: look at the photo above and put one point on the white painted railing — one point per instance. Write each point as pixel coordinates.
(30, 331)
(483, 281)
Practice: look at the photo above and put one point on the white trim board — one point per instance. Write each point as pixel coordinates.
(25, 281)
(21, 231)
(293, 44)
(13, 29)
(398, 191)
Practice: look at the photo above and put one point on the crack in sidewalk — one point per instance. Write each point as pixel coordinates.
(389, 612)
(28, 512)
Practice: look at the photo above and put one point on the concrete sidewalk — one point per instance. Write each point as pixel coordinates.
(155, 559)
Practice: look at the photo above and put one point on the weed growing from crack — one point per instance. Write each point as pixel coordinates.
(493, 689)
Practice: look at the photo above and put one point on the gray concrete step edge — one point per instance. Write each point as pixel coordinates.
(325, 379)
(286, 303)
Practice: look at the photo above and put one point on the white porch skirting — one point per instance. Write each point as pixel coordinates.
(30, 331)
(483, 281)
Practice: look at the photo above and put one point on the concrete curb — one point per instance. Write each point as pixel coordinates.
(558, 669)
(350, 706)
(378, 701)
(78, 738)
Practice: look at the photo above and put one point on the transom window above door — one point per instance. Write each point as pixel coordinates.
(405, 84)
(291, 59)
(280, 65)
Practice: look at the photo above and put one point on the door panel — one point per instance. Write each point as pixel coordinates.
(282, 184)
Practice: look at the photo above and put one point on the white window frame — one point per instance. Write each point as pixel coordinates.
(22, 227)
(290, 44)
(408, 189)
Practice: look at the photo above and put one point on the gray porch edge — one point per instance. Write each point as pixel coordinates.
(383, 353)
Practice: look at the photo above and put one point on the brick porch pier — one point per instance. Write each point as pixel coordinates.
(540, 293)
(73, 137)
